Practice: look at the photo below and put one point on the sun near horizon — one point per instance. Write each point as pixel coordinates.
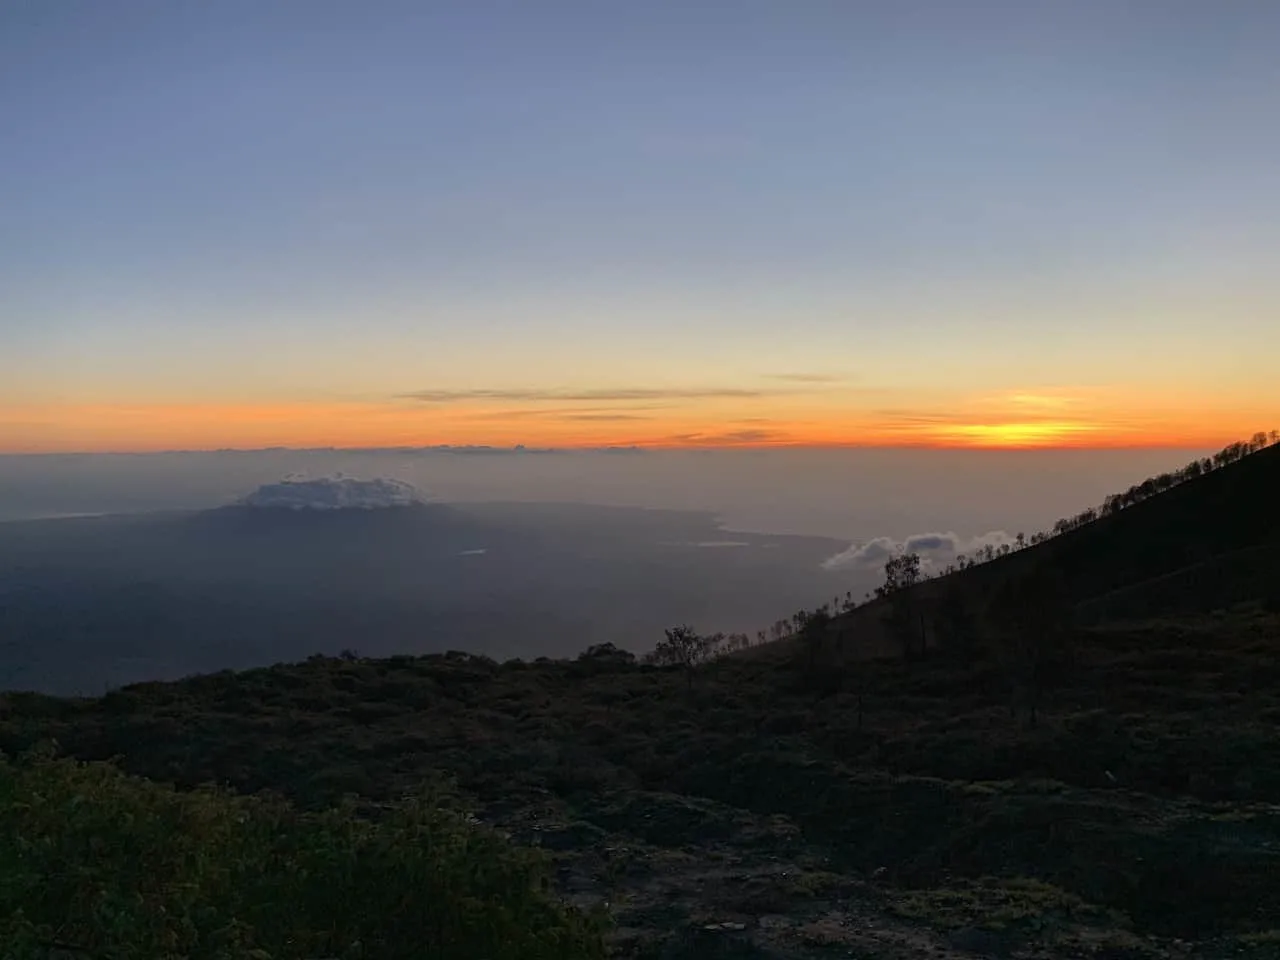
(167, 427)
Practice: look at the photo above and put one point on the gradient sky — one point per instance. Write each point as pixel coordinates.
(308, 222)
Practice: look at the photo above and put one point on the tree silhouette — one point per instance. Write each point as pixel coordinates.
(685, 647)
(901, 572)
(812, 627)
(1137, 493)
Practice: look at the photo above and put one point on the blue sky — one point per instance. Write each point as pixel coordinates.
(245, 205)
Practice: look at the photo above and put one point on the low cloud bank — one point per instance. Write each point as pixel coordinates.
(334, 493)
(934, 548)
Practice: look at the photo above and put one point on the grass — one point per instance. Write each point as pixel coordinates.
(1000, 904)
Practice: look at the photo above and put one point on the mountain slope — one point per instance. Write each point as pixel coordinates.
(1229, 509)
(1202, 545)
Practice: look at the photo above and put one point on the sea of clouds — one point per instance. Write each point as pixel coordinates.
(334, 493)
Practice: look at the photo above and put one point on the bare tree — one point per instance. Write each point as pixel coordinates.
(685, 647)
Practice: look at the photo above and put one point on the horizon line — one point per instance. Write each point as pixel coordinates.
(618, 448)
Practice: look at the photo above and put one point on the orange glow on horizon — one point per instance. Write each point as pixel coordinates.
(156, 427)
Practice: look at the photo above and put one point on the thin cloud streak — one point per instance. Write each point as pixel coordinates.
(932, 418)
(557, 413)
(731, 438)
(808, 377)
(634, 393)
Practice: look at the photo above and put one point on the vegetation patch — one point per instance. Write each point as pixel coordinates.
(1003, 904)
(98, 864)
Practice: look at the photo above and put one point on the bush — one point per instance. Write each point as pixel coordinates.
(108, 865)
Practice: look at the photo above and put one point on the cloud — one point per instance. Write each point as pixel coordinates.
(605, 395)
(807, 377)
(559, 413)
(995, 538)
(932, 547)
(929, 541)
(1040, 401)
(333, 493)
(726, 439)
(963, 419)
(919, 417)
(868, 554)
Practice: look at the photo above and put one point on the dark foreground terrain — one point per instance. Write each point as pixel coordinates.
(1072, 752)
(756, 808)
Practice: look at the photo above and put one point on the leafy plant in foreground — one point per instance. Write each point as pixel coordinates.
(107, 865)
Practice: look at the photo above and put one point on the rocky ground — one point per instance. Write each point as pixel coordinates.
(758, 889)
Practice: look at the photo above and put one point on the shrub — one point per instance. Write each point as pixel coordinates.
(108, 865)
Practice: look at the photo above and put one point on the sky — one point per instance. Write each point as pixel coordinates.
(318, 223)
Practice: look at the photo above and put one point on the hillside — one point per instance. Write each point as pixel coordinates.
(900, 811)
(803, 804)
(1227, 510)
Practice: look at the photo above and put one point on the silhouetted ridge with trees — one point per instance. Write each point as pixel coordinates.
(1227, 551)
(1136, 494)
